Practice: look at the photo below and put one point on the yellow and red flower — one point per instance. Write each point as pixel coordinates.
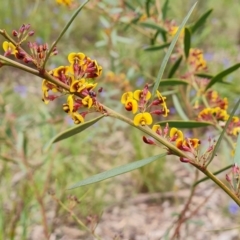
(143, 119)
(131, 105)
(9, 48)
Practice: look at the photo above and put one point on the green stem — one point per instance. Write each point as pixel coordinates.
(219, 183)
(6, 36)
(215, 173)
(18, 65)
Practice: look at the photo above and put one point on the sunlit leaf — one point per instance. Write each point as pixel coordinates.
(222, 74)
(200, 21)
(178, 107)
(185, 124)
(169, 51)
(117, 171)
(223, 131)
(175, 67)
(72, 131)
(187, 41)
(155, 48)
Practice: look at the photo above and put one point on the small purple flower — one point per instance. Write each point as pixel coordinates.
(226, 62)
(233, 208)
(69, 121)
(39, 40)
(140, 81)
(208, 56)
(172, 110)
(189, 134)
(21, 90)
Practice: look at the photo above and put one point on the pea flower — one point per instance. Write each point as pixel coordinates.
(143, 119)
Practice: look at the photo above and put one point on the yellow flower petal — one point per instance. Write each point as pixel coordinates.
(87, 101)
(70, 102)
(143, 119)
(62, 69)
(160, 97)
(126, 96)
(77, 118)
(131, 105)
(138, 94)
(166, 110)
(76, 58)
(9, 47)
(175, 133)
(157, 129)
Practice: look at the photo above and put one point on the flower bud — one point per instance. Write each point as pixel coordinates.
(14, 33)
(30, 33)
(185, 160)
(148, 141)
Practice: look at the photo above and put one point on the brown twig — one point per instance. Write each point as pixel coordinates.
(182, 217)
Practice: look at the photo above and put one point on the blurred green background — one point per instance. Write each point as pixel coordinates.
(27, 124)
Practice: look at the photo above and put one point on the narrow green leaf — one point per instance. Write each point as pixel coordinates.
(169, 51)
(215, 173)
(209, 76)
(152, 26)
(164, 36)
(147, 7)
(237, 152)
(155, 48)
(117, 171)
(178, 107)
(175, 67)
(63, 31)
(204, 75)
(223, 131)
(72, 131)
(187, 41)
(222, 74)
(173, 82)
(200, 21)
(153, 40)
(185, 124)
(165, 9)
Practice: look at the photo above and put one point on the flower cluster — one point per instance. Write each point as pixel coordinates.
(138, 101)
(79, 76)
(175, 136)
(38, 51)
(196, 60)
(217, 112)
(172, 30)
